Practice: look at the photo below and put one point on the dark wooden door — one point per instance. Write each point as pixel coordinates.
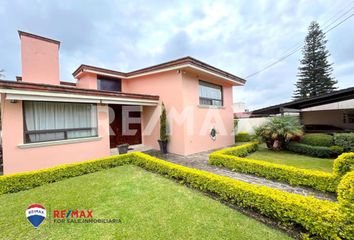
(118, 135)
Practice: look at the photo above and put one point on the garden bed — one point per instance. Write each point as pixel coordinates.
(234, 159)
(149, 207)
(317, 218)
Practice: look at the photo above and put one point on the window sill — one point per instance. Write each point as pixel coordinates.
(60, 142)
(211, 106)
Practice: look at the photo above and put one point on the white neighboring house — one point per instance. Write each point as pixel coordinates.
(244, 122)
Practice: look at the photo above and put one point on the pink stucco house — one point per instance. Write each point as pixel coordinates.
(47, 122)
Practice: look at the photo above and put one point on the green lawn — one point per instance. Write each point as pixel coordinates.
(149, 206)
(292, 159)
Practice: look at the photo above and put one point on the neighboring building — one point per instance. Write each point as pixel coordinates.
(240, 110)
(332, 112)
(47, 122)
(239, 107)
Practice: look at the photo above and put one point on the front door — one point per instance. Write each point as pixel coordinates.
(127, 130)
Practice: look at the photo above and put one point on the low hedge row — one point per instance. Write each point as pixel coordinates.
(23, 181)
(315, 151)
(241, 150)
(346, 200)
(242, 137)
(231, 158)
(319, 218)
(319, 180)
(318, 139)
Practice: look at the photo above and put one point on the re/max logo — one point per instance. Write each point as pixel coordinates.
(72, 213)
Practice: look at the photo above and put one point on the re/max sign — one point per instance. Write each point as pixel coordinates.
(72, 214)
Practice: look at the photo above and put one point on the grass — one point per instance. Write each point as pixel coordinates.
(149, 207)
(292, 159)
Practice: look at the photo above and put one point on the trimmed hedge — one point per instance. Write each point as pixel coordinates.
(318, 218)
(241, 150)
(23, 181)
(242, 137)
(343, 164)
(345, 140)
(315, 151)
(319, 180)
(231, 158)
(317, 139)
(346, 207)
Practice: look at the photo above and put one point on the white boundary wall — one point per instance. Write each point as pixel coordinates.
(248, 124)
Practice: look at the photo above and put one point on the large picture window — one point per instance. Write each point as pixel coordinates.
(210, 94)
(50, 121)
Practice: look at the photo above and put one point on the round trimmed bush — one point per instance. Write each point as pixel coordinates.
(318, 139)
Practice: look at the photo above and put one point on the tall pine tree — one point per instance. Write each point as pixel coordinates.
(314, 77)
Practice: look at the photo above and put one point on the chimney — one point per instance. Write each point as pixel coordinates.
(39, 59)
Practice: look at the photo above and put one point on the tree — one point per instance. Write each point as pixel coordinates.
(314, 77)
(2, 73)
(278, 131)
(163, 124)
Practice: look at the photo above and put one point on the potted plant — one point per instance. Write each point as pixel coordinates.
(123, 148)
(163, 130)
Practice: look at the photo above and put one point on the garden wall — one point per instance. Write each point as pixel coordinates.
(248, 124)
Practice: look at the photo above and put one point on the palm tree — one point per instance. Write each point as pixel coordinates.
(2, 73)
(278, 131)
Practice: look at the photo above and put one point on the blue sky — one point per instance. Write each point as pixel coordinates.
(237, 36)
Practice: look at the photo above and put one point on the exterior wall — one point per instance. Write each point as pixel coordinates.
(189, 124)
(328, 117)
(87, 80)
(20, 160)
(197, 138)
(168, 85)
(248, 124)
(40, 61)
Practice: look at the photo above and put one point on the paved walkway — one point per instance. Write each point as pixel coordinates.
(200, 161)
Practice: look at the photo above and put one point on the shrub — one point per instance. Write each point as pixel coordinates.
(343, 164)
(345, 140)
(319, 218)
(316, 216)
(336, 150)
(240, 151)
(242, 137)
(318, 139)
(346, 208)
(231, 158)
(319, 180)
(23, 181)
(315, 151)
(278, 131)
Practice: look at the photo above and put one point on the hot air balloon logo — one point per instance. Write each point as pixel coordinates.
(35, 214)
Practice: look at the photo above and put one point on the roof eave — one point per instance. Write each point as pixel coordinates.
(167, 66)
